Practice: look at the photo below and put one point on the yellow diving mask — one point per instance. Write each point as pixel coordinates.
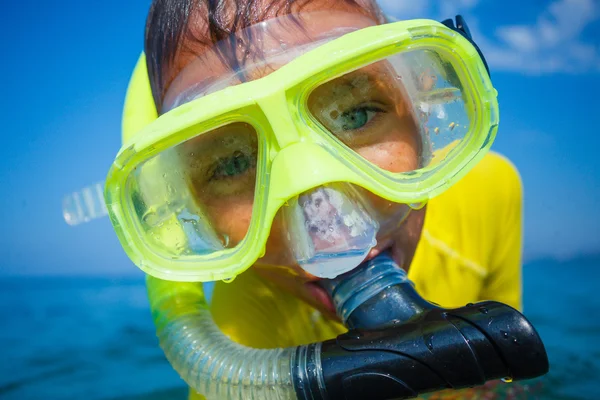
(320, 139)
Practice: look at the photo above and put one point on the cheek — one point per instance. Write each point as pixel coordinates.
(383, 206)
(231, 216)
(397, 152)
(278, 255)
(278, 265)
(277, 252)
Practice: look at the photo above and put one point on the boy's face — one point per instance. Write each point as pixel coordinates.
(364, 109)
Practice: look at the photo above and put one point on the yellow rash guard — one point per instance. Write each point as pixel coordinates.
(470, 250)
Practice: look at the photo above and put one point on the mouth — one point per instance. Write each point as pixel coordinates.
(320, 295)
(380, 248)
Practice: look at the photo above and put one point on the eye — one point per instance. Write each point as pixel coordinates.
(358, 117)
(232, 166)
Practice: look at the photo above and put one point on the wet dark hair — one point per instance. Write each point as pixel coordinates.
(168, 24)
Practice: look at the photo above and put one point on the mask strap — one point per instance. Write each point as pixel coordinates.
(462, 28)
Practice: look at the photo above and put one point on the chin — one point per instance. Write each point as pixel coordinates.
(301, 285)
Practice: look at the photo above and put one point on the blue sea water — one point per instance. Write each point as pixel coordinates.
(73, 338)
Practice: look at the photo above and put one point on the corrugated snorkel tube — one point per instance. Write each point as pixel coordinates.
(399, 345)
(207, 360)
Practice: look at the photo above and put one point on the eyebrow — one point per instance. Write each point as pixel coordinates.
(210, 140)
(358, 79)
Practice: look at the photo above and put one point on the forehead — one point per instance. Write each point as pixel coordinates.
(199, 59)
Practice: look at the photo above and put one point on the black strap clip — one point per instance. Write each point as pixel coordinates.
(462, 28)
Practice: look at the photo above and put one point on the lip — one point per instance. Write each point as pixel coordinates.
(380, 248)
(320, 295)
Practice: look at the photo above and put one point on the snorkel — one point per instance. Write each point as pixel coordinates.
(398, 346)
(414, 346)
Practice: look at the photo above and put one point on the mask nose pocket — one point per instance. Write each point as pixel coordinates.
(329, 229)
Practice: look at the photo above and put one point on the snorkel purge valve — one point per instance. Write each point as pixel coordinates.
(401, 346)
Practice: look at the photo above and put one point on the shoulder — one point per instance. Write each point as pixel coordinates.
(468, 231)
(495, 171)
(492, 185)
(477, 211)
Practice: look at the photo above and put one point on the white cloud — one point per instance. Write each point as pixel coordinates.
(551, 43)
(519, 37)
(450, 8)
(436, 9)
(405, 9)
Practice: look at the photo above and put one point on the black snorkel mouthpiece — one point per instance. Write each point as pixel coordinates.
(400, 346)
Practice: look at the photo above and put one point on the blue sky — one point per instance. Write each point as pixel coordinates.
(66, 67)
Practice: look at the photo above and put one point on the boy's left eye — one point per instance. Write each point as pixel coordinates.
(236, 164)
(358, 117)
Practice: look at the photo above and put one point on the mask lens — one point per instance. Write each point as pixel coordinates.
(401, 113)
(197, 197)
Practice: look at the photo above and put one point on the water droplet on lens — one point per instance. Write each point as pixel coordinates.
(507, 379)
(483, 310)
(225, 240)
(430, 343)
(504, 334)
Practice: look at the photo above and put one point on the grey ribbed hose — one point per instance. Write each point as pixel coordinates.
(208, 361)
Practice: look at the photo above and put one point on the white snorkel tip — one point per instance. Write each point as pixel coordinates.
(84, 205)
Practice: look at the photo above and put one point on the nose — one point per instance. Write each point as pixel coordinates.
(302, 167)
